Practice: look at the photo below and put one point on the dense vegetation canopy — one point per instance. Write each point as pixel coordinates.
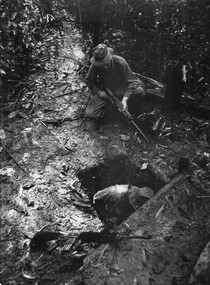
(150, 34)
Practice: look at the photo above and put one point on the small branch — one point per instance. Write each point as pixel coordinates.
(66, 93)
(4, 146)
(167, 187)
(47, 225)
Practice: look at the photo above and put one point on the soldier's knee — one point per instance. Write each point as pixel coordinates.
(92, 113)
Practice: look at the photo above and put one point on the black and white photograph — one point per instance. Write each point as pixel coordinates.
(104, 142)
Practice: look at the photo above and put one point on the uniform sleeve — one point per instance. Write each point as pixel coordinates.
(132, 81)
(91, 80)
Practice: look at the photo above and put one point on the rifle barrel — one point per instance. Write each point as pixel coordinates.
(136, 237)
(139, 130)
(119, 105)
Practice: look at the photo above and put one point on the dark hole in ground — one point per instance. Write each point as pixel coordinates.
(118, 170)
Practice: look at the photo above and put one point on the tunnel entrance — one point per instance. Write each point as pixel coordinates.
(118, 170)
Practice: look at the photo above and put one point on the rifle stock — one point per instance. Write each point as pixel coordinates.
(119, 105)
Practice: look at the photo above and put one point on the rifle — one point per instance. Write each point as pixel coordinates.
(119, 106)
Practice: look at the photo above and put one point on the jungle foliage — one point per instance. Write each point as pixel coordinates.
(150, 34)
(25, 29)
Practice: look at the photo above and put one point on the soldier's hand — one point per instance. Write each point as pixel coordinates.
(124, 103)
(102, 94)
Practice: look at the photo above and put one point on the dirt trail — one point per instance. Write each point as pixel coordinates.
(62, 162)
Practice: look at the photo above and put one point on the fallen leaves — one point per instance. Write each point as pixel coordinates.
(29, 275)
(144, 166)
(160, 211)
(125, 138)
(144, 255)
(2, 134)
